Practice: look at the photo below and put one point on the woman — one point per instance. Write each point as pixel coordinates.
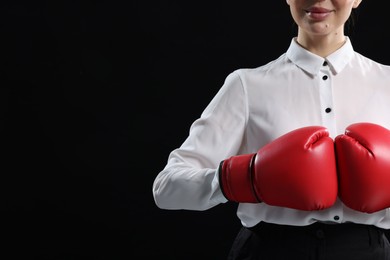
(266, 141)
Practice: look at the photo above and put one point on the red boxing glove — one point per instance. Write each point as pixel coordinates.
(363, 162)
(297, 170)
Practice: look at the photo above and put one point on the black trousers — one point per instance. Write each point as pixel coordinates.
(318, 241)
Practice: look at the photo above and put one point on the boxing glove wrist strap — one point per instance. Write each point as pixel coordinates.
(235, 178)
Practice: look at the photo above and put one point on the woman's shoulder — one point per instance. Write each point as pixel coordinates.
(265, 68)
(371, 62)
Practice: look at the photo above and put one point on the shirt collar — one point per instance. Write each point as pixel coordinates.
(312, 63)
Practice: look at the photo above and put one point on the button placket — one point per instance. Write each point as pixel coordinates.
(326, 92)
(326, 97)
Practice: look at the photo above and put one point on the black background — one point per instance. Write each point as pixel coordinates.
(93, 97)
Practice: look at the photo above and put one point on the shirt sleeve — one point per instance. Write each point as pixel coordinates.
(189, 180)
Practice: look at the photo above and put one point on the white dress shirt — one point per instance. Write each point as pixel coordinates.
(255, 106)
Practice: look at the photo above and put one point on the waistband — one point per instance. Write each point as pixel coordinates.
(320, 231)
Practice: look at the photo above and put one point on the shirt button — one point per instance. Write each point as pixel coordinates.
(336, 217)
(325, 63)
(325, 77)
(327, 110)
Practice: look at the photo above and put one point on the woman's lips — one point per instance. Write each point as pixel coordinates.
(318, 13)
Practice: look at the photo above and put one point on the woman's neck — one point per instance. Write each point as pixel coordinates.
(322, 45)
